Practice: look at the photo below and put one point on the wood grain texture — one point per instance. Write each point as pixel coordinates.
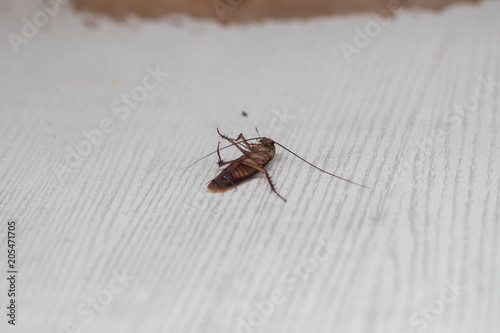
(201, 260)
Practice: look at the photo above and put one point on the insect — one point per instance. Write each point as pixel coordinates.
(254, 159)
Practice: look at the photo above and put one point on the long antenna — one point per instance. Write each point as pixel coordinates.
(328, 173)
(232, 144)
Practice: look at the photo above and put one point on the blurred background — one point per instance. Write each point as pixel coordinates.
(251, 9)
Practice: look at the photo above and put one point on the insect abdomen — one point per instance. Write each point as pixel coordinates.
(230, 176)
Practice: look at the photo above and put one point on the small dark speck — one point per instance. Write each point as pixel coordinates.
(244, 114)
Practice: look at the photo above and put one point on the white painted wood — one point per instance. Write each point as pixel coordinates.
(200, 260)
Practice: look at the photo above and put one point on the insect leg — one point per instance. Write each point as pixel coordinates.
(220, 162)
(218, 154)
(245, 142)
(236, 144)
(223, 136)
(256, 167)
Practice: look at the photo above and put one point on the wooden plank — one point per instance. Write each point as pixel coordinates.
(250, 10)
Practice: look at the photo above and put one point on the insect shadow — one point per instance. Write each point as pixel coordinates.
(254, 159)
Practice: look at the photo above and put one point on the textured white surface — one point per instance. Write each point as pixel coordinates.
(201, 260)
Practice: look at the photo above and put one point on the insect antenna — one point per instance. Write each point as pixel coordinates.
(328, 173)
(220, 150)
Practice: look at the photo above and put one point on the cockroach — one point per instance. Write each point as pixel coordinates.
(255, 158)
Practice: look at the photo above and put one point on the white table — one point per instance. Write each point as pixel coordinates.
(197, 261)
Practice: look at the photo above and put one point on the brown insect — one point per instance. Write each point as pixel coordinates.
(255, 157)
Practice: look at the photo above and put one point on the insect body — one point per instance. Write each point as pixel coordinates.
(255, 157)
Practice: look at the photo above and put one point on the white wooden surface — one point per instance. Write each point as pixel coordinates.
(199, 260)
